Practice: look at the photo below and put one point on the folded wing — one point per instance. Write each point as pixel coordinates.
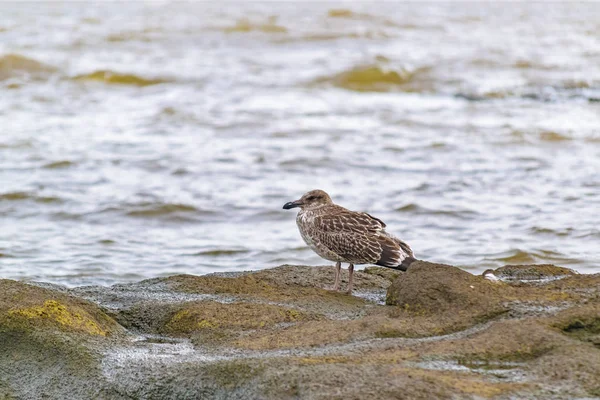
(360, 238)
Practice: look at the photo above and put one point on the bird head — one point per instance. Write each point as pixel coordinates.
(312, 199)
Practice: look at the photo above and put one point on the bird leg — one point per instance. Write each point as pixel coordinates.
(350, 274)
(338, 270)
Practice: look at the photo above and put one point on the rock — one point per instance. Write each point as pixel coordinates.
(45, 341)
(211, 322)
(297, 285)
(581, 323)
(29, 309)
(528, 273)
(429, 288)
(277, 334)
(386, 273)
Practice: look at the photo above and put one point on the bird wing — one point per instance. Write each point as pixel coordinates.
(360, 238)
(348, 221)
(353, 247)
(352, 235)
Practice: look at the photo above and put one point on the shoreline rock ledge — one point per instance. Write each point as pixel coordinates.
(433, 332)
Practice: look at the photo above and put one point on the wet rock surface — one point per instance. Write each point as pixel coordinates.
(434, 331)
(532, 273)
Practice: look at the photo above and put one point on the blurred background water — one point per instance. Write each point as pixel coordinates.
(146, 139)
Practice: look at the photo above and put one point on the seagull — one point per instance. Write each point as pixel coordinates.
(338, 234)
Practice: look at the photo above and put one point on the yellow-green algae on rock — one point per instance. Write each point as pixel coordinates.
(54, 311)
(50, 344)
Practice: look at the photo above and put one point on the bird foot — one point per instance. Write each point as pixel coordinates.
(333, 288)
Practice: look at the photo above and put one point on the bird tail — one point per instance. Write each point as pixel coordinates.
(403, 266)
(395, 254)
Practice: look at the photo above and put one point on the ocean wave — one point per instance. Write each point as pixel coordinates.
(416, 209)
(305, 162)
(161, 209)
(169, 212)
(592, 233)
(19, 144)
(219, 252)
(538, 91)
(59, 164)
(16, 65)
(517, 256)
(144, 35)
(330, 36)
(26, 196)
(341, 13)
(181, 172)
(541, 136)
(245, 25)
(377, 78)
(553, 232)
(116, 78)
(268, 215)
(550, 136)
(177, 115)
(344, 13)
(67, 216)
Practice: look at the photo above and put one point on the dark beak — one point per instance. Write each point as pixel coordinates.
(292, 204)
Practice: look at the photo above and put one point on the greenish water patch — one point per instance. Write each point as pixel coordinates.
(550, 136)
(24, 196)
(17, 65)
(59, 164)
(376, 78)
(548, 231)
(115, 78)
(157, 210)
(413, 208)
(246, 25)
(223, 252)
(18, 144)
(344, 13)
(531, 257)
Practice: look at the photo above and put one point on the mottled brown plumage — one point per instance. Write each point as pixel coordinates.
(338, 234)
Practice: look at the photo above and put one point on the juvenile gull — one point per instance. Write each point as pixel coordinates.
(338, 234)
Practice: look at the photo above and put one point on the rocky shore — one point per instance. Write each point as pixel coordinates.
(433, 332)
